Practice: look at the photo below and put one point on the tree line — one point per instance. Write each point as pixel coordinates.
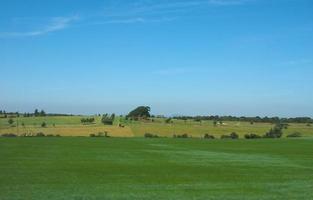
(272, 120)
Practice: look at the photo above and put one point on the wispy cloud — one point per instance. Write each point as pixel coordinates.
(54, 24)
(158, 11)
(140, 11)
(131, 20)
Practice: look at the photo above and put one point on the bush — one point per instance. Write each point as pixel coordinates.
(233, 135)
(185, 135)
(9, 135)
(252, 136)
(207, 136)
(225, 137)
(275, 132)
(107, 119)
(40, 134)
(295, 134)
(150, 135)
(43, 125)
(100, 134)
(10, 121)
(87, 120)
(51, 135)
(168, 120)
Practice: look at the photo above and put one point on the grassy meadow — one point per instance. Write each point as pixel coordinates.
(72, 126)
(77, 168)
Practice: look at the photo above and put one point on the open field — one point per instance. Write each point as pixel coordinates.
(71, 126)
(137, 168)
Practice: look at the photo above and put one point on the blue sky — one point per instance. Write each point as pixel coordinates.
(206, 57)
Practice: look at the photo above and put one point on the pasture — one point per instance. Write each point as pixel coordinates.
(71, 126)
(75, 168)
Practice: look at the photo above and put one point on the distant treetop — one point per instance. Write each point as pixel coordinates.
(140, 112)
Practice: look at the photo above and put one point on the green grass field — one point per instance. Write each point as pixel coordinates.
(80, 168)
(71, 126)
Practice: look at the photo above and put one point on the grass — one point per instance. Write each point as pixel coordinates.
(137, 168)
(71, 126)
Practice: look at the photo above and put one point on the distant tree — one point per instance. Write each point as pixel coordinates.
(295, 134)
(234, 135)
(0, 112)
(107, 119)
(87, 120)
(36, 113)
(168, 120)
(251, 122)
(10, 121)
(139, 112)
(215, 123)
(5, 115)
(43, 124)
(150, 135)
(252, 136)
(42, 113)
(275, 132)
(23, 124)
(208, 136)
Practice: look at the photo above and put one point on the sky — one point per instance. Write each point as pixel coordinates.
(200, 57)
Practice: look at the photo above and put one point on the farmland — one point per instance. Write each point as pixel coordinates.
(164, 168)
(72, 126)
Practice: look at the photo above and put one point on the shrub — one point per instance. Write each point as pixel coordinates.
(150, 135)
(275, 132)
(51, 135)
(87, 120)
(107, 120)
(10, 121)
(233, 135)
(9, 135)
(225, 137)
(252, 136)
(168, 120)
(185, 135)
(43, 125)
(207, 136)
(40, 134)
(295, 134)
(100, 134)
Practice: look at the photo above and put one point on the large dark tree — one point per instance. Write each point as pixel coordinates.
(140, 112)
